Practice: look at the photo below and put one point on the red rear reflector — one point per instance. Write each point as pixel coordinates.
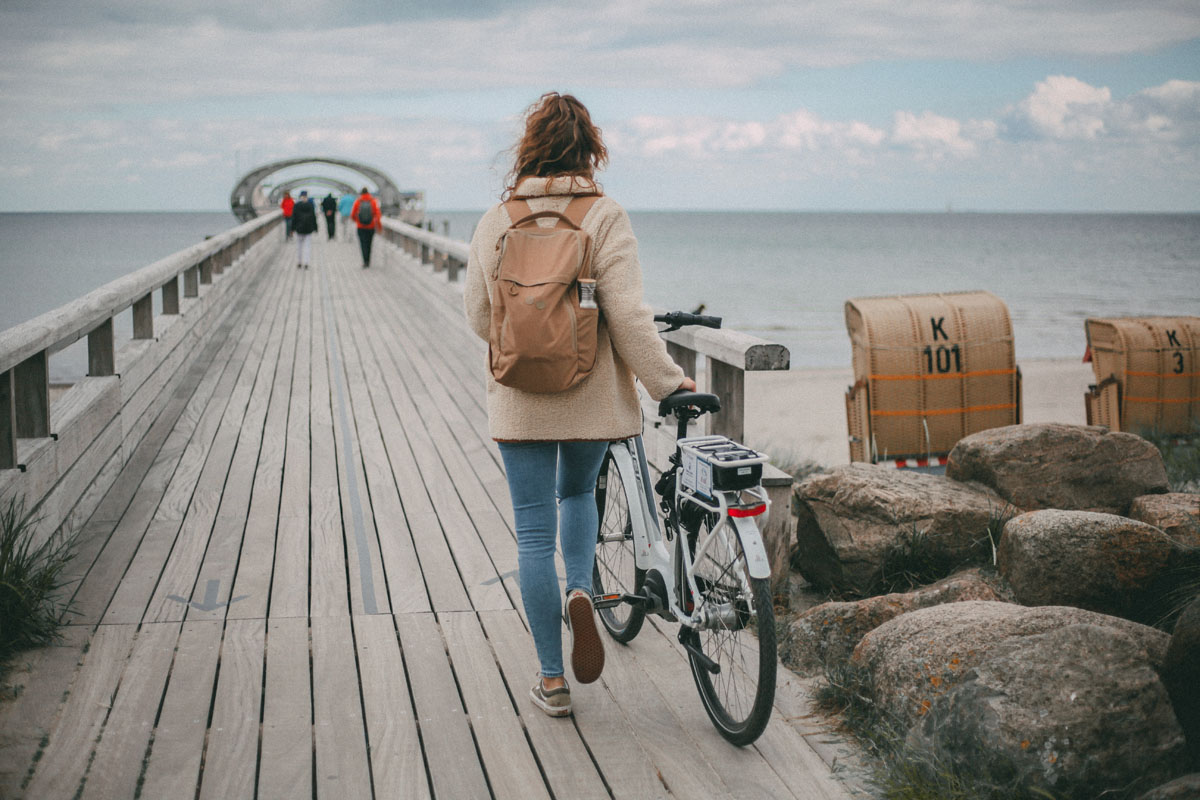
(752, 511)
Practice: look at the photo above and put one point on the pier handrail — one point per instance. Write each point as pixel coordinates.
(25, 349)
(442, 252)
(62, 326)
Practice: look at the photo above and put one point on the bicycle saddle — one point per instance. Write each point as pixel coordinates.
(681, 398)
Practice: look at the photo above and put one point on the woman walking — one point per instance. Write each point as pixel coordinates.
(554, 443)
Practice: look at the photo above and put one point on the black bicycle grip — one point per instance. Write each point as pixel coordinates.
(678, 319)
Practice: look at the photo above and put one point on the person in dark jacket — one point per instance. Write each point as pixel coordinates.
(304, 225)
(329, 208)
(365, 214)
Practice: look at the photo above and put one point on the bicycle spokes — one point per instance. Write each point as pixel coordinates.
(614, 571)
(736, 634)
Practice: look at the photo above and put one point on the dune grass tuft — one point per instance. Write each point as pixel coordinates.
(30, 576)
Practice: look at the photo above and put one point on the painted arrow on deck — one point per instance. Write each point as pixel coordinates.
(211, 590)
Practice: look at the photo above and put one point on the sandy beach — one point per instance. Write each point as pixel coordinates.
(800, 415)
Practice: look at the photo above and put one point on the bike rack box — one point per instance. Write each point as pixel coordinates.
(1147, 374)
(929, 369)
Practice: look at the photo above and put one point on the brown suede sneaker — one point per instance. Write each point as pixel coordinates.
(587, 651)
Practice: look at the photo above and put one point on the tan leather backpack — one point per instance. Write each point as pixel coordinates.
(543, 337)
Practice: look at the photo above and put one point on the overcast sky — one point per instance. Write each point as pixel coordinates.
(766, 104)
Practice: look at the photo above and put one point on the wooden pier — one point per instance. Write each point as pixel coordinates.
(296, 569)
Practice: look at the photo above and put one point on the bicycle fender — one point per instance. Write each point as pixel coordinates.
(752, 545)
(641, 538)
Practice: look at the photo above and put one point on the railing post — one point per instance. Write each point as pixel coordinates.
(206, 272)
(8, 422)
(170, 296)
(101, 353)
(143, 317)
(219, 260)
(191, 282)
(453, 265)
(729, 383)
(31, 396)
(685, 357)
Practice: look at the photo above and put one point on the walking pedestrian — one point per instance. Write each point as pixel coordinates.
(288, 205)
(304, 224)
(366, 216)
(329, 207)
(345, 204)
(553, 443)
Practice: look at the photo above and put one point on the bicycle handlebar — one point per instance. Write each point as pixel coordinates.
(678, 319)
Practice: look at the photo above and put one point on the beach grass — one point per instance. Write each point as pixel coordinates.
(31, 611)
(1181, 457)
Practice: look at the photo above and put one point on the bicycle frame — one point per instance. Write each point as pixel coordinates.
(650, 549)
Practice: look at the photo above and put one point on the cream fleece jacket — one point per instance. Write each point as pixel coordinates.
(604, 406)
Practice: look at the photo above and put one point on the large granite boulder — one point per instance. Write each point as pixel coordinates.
(827, 634)
(852, 519)
(1072, 467)
(916, 658)
(1181, 675)
(1185, 788)
(1103, 562)
(1177, 514)
(1075, 712)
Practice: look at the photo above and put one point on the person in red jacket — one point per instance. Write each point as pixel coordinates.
(288, 205)
(366, 216)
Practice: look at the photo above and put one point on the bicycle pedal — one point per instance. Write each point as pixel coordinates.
(610, 600)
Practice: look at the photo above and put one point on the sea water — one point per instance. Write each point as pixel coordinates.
(782, 276)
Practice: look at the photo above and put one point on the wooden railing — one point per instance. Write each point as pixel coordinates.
(40, 446)
(727, 356)
(441, 252)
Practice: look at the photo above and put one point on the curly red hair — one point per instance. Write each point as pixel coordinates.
(559, 139)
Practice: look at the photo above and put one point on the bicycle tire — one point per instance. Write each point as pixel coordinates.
(738, 699)
(614, 570)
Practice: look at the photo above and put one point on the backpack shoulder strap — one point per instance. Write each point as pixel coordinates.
(518, 209)
(579, 207)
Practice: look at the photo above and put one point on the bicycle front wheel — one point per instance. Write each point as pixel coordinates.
(614, 571)
(736, 679)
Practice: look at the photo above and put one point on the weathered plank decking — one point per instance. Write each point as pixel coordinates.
(302, 584)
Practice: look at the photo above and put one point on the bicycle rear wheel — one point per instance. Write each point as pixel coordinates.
(614, 571)
(738, 639)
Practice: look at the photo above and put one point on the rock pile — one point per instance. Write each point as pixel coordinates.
(1042, 671)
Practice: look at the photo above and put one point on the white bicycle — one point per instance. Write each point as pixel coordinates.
(704, 567)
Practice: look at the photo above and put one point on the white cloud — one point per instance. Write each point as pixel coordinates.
(1062, 107)
(1067, 109)
(930, 134)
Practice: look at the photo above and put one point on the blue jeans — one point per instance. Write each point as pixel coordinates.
(538, 474)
